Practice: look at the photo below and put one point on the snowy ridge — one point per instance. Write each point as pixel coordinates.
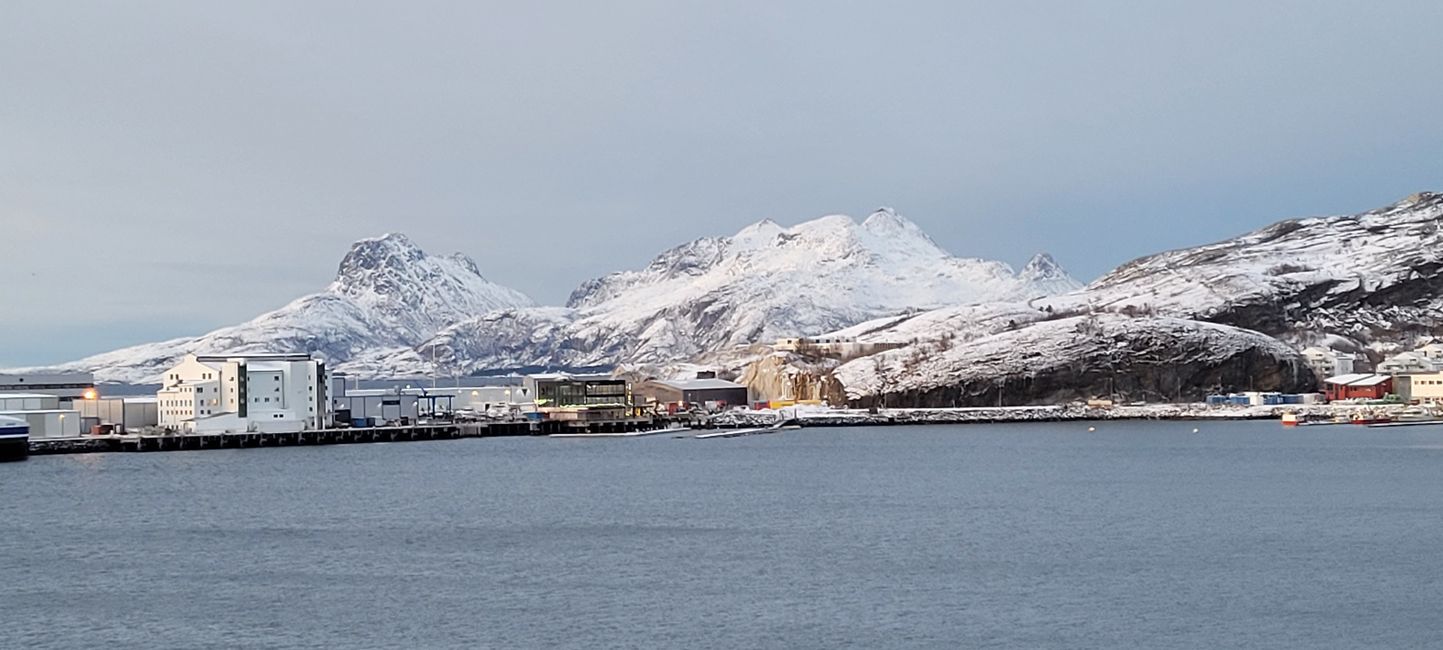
(387, 294)
(765, 282)
(1371, 278)
(1074, 357)
(1227, 315)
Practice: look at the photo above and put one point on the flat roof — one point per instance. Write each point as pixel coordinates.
(260, 356)
(28, 396)
(700, 384)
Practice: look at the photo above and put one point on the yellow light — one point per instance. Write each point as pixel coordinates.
(90, 393)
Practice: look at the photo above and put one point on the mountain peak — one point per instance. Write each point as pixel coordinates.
(1042, 271)
(392, 250)
(1042, 265)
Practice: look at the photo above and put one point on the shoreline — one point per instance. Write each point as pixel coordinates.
(820, 417)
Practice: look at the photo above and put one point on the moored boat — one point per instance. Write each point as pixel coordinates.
(1366, 418)
(14, 439)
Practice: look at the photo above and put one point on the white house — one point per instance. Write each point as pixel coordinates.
(1327, 362)
(1406, 362)
(1432, 352)
(245, 392)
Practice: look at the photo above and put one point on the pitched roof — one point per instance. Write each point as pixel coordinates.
(1358, 379)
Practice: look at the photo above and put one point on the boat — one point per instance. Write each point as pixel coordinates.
(1366, 418)
(14, 438)
(1416, 414)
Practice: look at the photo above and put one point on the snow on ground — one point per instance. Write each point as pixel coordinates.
(1036, 348)
(387, 294)
(814, 416)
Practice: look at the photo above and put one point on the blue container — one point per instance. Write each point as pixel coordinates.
(534, 416)
(1217, 400)
(1292, 399)
(1240, 400)
(360, 423)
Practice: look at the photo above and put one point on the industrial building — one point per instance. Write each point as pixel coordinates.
(579, 397)
(67, 387)
(411, 402)
(43, 413)
(271, 393)
(118, 414)
(705, 391)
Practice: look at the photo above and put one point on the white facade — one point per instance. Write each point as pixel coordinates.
(1327, 362)
(49, 423)
(44, 413)
(1406, 362)
(236, 393)
(1432, 352)
(1423, 388)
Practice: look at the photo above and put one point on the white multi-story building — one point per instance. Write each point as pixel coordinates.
(1406, 362)
(245, 392)
(1327, 362)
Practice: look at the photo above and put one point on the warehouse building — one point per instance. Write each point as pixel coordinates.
(705, 391)
(44, 414)
(68, 387)
(118, 414)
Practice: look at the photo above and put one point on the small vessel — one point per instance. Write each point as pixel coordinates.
(1371, 417)
(14, 438)
(1291, 419)
(1416, 414)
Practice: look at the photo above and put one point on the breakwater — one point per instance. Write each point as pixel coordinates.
(199, 441)
(822, 417)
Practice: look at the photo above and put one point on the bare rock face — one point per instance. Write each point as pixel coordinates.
(1370, 281)
(1079, 357)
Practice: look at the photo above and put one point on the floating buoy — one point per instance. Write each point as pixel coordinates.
(1091, 428)
(1194, 430)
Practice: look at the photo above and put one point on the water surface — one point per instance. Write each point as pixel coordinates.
(1029, 535)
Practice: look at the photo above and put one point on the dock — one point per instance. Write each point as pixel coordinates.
(626, 434)
(315, 437)
(737, 433)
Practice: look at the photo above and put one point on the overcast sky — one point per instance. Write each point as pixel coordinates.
(171, 167)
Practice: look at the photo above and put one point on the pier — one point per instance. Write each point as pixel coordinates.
(345, 436)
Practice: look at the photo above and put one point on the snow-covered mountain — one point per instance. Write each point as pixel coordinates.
(1227, 315)
(1074, 357)
(387, 294)
(1373, 281)
(765, 282)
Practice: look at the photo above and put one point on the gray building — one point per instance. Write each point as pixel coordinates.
(706, 392)
(68, 386)
(125, 414)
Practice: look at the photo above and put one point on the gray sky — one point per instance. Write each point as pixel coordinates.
(170, 167)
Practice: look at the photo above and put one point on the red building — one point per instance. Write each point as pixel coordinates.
(1358, 386)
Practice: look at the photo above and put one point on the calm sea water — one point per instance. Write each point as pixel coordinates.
(1031, 536)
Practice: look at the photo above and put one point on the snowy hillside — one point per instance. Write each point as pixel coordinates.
(1076, 357)
(387, 294)
(765, 282)
(1374, 280)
